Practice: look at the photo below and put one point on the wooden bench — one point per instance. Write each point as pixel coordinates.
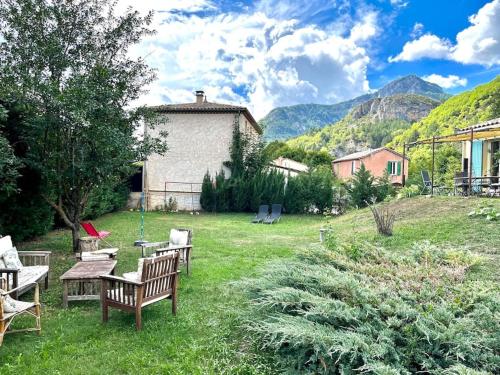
(157, 281)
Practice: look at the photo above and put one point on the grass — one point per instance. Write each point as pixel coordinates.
(205, 337)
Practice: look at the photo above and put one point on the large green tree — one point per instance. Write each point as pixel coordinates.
(9, 164)
(69, 61)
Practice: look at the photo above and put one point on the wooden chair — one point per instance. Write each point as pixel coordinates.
(160, 248)
(17, 308)
(158, 281)
(35, 269)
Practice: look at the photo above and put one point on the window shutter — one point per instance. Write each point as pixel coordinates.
(389, 167)
(399, 168)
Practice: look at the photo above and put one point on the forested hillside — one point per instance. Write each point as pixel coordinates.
(369, 125)
(286, 122)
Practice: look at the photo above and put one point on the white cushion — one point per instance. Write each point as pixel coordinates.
(11, 259)
(135, 275)
(5, 244)
(11, 305)
(178, 237)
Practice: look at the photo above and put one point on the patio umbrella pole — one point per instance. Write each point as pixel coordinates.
(470, 161)
(432, 178)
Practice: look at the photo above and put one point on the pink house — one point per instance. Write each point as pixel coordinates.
(377, 161)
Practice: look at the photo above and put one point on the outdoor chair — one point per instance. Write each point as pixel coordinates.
(461, 183)
(11, 308)
(21, 269)
(180, 240)
(89, 228)
(275, 215)
(155, 280)
(262, 214)
(428, 185)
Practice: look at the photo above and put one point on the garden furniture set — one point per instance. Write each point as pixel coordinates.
(92, 278)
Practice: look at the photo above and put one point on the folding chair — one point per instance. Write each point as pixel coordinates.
(92, 232)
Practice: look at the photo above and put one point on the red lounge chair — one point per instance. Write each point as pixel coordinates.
(91, 231)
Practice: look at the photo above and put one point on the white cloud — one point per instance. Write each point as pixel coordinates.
(418, 30)
(399, 3)
(254, 59)
(446, 82)
(477, 44)
(427, 45)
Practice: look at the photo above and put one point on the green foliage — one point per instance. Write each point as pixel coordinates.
(486, 211)
(105, 199)
(207, 197)
(409, 191)
(362, 188)
(222, 192)
(9, 164)
(385, 189)
(251, 184)
(77, 79)
(465, 109)
(292, 121)
(367, 125)
(359, 308)
(311, 158)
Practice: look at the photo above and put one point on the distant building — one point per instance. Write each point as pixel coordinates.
(377, 161)
(485, 146)
(199, 139)
(288, 167)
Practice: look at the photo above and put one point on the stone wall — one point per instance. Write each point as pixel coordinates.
(197, 142)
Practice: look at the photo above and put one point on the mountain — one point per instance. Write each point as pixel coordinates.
(468, 108)
(465, 109)
(371, 124)
(286, 122)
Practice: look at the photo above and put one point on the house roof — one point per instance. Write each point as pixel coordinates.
(208, 107)
(363, 154)
(485, 125)
(289, 164)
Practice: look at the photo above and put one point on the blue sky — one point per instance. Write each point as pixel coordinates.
(270, 53)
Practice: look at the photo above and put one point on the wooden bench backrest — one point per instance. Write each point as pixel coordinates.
(159, 275)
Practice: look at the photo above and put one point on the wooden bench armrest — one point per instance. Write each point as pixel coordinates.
(9, 270)
(121, 280)
(154, 244)
(35, 258)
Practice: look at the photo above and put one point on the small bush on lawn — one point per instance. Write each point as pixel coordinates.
(487, 212)
(357, 308)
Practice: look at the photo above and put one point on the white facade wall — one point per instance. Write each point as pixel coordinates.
(197, 142)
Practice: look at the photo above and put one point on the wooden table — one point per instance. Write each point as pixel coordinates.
(477, 183)
(81, 282)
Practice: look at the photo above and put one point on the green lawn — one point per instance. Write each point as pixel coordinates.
(204, 337)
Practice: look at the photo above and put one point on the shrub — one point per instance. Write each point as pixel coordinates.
(362, 189)
(106, 198)
(207, 197)
(409, 191)
(384, 219)
(358, 308)
(487, 212)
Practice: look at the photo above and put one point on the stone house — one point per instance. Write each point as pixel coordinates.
(377, 161)
(289, 167)
(199, 140)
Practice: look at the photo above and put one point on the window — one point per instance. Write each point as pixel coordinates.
(353, 167)
(394, 168)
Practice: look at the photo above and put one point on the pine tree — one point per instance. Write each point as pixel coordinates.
(207, 193)
(362, 189)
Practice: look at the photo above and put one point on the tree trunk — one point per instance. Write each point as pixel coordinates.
(75, 231)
